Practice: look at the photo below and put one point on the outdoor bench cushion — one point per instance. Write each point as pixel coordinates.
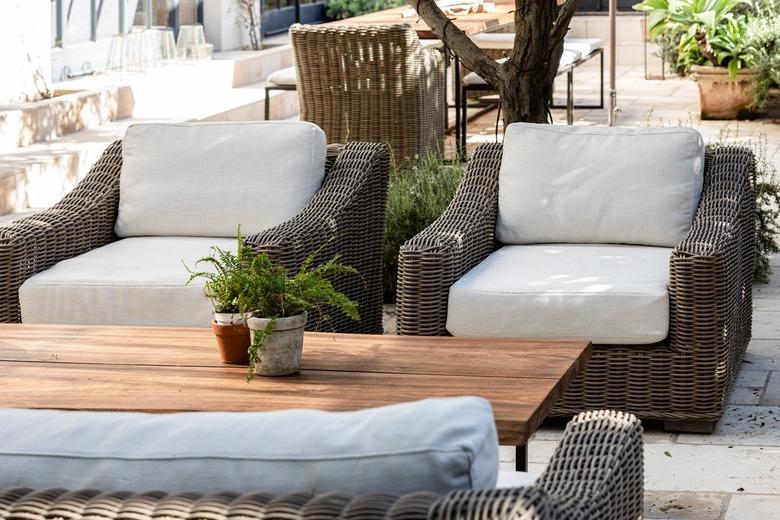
(598, 185)
(608, 294)
(284, 77)
(204, 179)
(567, 58)
(435, 445)
(133, 281)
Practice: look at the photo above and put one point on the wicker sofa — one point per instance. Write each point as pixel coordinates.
(373, 84)
(345, 217)
(683, 379)
(595, 472)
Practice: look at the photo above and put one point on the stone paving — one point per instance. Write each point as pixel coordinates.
(734, 473)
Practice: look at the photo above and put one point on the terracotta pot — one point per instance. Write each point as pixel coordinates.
(283, 348)
(724, 97)
(232, 342)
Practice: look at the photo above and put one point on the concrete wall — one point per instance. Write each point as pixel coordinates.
(222, 27)
(25, 30)
(629, 35)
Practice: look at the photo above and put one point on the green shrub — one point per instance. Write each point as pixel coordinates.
(341, 9)
(417, 195)
(763, 40)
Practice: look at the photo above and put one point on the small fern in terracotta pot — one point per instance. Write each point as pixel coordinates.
(223, 287)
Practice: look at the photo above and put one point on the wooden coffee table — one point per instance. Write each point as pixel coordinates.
(151, 369)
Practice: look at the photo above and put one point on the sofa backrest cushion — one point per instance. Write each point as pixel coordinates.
(435, 445)
(598, 185)
(204, 179)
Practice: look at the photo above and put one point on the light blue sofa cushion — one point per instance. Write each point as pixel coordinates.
(436, 445)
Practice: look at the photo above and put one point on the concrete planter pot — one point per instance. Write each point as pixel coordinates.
(724, 97)
(281, 354)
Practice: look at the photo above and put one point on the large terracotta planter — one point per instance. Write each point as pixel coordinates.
(724, 97)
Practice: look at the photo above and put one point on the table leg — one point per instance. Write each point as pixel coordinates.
(459, 146)
(521, 458)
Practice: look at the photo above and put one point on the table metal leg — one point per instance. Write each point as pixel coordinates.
(521, 458)
(458, 145)
(570, 97)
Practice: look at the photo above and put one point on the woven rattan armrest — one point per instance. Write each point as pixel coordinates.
(596, 472)
(463, 236)
(711, 270)
(83, 220)
(346, 217)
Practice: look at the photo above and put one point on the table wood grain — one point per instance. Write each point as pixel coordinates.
(471, 23)
(155, 369)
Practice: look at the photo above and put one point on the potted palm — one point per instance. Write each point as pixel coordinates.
(223, 286)
(277, 302)
(708, 40)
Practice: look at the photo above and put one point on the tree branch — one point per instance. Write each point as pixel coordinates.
(467, 51)
(561, 26)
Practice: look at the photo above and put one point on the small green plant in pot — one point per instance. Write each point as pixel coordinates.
(277, 303)
(224, 285)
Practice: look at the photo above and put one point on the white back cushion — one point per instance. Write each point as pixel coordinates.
(436, 445)
(598, 185)
(204, 179)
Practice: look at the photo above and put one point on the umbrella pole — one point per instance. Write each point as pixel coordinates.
(612, 62)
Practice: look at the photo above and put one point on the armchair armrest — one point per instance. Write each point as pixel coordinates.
(349, 208)
(83, 220)
(432, 97)
(711, 270)
(462, 237)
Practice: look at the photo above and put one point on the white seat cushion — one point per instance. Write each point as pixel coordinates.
(436, 445)
(431, 43)
(567, 58)
(284, 77)
(608, 294)
(598, 185)
(204, 179)
(134, 281)
(585, 46)
(492, 40)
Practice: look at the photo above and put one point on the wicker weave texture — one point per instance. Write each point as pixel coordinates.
(596, 472)
(371, 84)
(346, 217)
(688, 376)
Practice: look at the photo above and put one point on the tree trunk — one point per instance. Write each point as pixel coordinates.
(525, 97)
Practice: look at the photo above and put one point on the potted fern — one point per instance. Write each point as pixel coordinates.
(277, 303)
(223, 287)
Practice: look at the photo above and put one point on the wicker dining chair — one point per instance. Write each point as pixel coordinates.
(595, 472)
(683, 380)
(373, 84)
(345, 217)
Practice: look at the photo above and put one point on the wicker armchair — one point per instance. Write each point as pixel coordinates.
(683, 380)
(596, 472)
(344, 217)
(372, 84)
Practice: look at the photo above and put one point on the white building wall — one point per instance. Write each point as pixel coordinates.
(25, 43)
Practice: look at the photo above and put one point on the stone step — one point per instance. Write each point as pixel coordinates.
(170, 91)
(70, 110)
(40, 174)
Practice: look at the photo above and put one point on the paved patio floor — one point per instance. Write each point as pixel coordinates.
(733, 473)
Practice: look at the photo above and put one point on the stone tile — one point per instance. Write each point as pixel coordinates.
(752, 378)
(741, 426)
(685, 506)
(772, 393)
(766, 324)
(753, 507)
(712, 468)
(767, 304)
(744, 395)
(763, 354)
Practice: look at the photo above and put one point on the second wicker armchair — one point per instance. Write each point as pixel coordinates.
(372, 84)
